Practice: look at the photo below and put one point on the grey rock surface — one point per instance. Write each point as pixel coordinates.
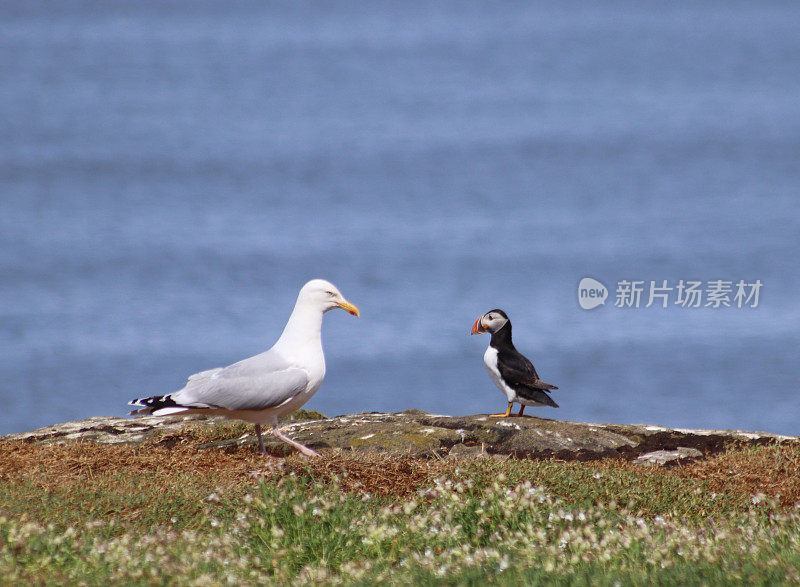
(668, 457)
(418, 434)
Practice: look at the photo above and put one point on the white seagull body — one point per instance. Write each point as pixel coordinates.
(274, 383)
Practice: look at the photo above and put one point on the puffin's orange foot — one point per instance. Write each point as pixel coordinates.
(508, 413)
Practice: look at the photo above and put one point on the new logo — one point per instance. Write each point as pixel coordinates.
(591, 293)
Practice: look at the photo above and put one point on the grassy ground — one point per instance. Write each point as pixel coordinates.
(93, 514)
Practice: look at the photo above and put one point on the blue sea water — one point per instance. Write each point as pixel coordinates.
(172, 172)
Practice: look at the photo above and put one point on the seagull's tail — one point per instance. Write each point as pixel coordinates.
(156, 405)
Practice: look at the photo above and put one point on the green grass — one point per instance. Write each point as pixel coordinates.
(478, 521)
(584, 484)
(507, 531)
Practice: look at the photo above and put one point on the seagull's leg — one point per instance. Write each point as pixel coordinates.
(506, 415)
(303, 449)
(521, 409)
(261, 448)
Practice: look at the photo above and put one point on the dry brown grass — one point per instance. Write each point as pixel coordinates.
(771, 470)
(54, 466)
(375, 474)
(57, 466)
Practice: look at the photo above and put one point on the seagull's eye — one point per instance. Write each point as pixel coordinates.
(330, 293)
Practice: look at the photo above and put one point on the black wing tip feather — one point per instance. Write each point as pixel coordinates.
(152, 403)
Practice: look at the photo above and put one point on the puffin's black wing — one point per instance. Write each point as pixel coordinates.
(516, 369)
(518, 372)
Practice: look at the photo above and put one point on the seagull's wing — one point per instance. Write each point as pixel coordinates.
(205, 374)
(264, 381)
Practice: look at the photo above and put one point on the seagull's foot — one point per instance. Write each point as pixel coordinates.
(300, 447)
(307, 451)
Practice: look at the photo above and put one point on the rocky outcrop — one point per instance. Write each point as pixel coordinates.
(668, 457)
(418, 434)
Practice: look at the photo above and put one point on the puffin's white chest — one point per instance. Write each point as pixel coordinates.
(490, 360)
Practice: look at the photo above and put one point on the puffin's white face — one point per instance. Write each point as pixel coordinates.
(489, 322)
(324, 294)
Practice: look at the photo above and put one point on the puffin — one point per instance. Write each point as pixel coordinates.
(509, 369)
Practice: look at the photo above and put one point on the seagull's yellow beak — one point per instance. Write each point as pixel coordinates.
(348, 307)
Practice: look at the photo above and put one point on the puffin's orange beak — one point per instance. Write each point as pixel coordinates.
(478, 328)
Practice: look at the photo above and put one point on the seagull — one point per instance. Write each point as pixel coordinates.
(274, 383)
(511, 371)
